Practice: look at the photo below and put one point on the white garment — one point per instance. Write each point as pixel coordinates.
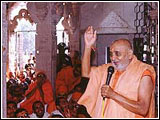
(18, 105)
(33, 115)
(57, 112)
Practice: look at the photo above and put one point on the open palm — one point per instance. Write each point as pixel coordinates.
(90, 36)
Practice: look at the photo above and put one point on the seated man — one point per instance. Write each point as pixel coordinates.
(39, 110)
(62, 107)
(77, 110)
(68, 77)
(11, 109)
(40, 90)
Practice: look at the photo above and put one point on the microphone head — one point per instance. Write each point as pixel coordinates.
(111, 69)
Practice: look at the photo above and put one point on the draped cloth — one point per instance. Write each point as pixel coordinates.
(65, 80)
(126, 84)
(43, 94)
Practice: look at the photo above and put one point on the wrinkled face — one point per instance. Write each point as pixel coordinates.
(120, 56)
(39, 110)
(11, 108)
(22, 114)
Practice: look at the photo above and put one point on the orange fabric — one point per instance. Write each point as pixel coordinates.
(148, 73)
(48, 97)
(116, 78)
(76, 96)
(51, 107)
(62, 90)
(126, 84)
(117, 74)
(66, 78)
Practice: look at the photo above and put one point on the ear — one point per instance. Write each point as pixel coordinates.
(130, 54)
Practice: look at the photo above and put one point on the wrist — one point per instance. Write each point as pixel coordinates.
(113, 95)
(88, 47)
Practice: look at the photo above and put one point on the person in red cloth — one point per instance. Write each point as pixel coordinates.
(68, 77)
(40, 90)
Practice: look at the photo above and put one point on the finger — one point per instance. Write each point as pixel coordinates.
(103, 94)
(95, 33)
(87, 29)
(104, 86)
(91, 29)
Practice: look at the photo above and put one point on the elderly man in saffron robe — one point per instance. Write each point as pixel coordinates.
(130, 93)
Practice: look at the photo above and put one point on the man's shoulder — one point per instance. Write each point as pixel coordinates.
(102, 67)
(146, 66)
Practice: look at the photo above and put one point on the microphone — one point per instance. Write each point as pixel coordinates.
(110, 72)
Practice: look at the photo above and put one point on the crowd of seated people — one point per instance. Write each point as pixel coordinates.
(70, 86)
(30, 93)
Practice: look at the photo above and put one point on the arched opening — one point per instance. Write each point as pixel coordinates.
(21, 38)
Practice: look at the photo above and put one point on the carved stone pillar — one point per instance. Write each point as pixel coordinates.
(75, 37)
(43, 13)
(4, 58)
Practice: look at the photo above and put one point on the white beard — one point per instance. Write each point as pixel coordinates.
(120, 67)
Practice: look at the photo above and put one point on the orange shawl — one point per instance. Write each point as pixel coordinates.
(48, 97)
(127, 85)
(66, 79)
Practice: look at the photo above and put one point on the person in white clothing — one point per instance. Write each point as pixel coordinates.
(39, 110)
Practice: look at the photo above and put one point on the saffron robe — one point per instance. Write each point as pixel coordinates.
(48, 97)
(127, 84)
(66, 79)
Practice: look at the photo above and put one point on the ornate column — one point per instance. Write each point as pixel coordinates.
(44, 14)
(74, 38)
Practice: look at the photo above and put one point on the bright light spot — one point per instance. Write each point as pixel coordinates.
(15, 11)
(22, 41)
(62, 36)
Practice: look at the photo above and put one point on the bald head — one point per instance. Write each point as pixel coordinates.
(121, 54)
(122, 42)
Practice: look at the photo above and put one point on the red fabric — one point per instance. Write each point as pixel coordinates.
(48, 97)
(66, 78)
(76, 96)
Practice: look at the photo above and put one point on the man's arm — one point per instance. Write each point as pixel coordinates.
(141, 106)
(90, 38)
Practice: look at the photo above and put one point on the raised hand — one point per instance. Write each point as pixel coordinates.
(90, 36)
